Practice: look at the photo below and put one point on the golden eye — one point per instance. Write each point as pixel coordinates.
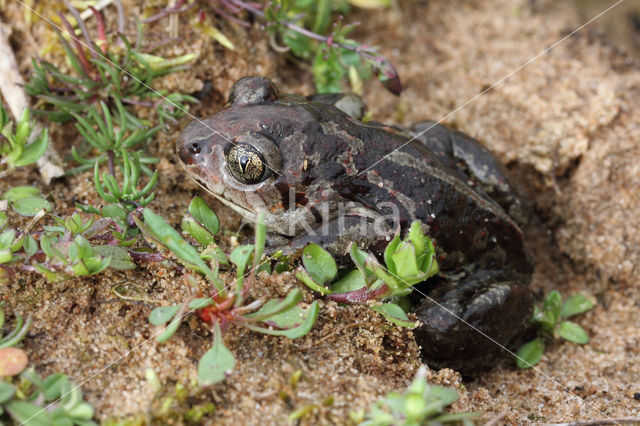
(246, 164)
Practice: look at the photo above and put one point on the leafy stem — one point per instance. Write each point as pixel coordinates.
(551, 323)
(381, 65)
(288, 316)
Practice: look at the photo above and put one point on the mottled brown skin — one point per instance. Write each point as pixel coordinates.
(320, 158)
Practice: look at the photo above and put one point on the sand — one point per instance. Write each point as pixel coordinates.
(566, 125)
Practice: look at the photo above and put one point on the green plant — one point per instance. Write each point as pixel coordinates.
(108, 73)
(15, 149)
(303, 25)
(419, 405)
(313, 31)
(551, 323)
(52, 401)
(72, 246)
(227, 304)
(108, 77)
(26, 201)
(111, 137)
(126, 195)
(408, 262)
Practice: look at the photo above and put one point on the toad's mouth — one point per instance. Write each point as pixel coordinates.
(243, 211)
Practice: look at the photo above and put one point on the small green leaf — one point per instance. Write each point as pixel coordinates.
(576, 304)
(213, 252)
(201, 302)
(153, 380)
(202, 213)
(54, 386)
(32, 377)
(7, 237)
(319, 264)
(389, 250)
(73, 223)
(287, 319)
(371, 4)
(277, 306)
(17, 243)
(303, 276)
(23, 412)
(168, 236)
(23, 128)
(18, 192)
(351, 281)
(6, 256)
(217, 362)
(394, 314)
(163, 314)
(530, 353)
(552, 304)
(81, 411)
(260, 239)
(170, 329)
(30, 206)
(197, 231)
(417, 237)
(358, 256)
(80, 269)
(365, 262)
(50, 275)
(240, 257)
(445, 396)
(120, 258)
(543, 320)
(396, 286)
(572, 332)
(30, 246)
(114, 211)
(32, 152)
(405, 262)
(7, 391)
(293, 333)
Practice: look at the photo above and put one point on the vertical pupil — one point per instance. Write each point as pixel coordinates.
(243, 160)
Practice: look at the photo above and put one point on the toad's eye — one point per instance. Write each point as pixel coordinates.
(246, 164)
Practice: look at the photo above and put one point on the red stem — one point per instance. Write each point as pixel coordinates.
(84, 62)
(169, 11)
(101, 31)
(139, 256)
(110, 161)
(359, 296)
(226, 16)
(81, 25)
(229, 5)
(224, 305)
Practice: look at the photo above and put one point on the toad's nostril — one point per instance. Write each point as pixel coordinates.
(187, 152)
(195, 148)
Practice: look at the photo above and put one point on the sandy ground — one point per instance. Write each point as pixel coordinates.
(566, 125)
